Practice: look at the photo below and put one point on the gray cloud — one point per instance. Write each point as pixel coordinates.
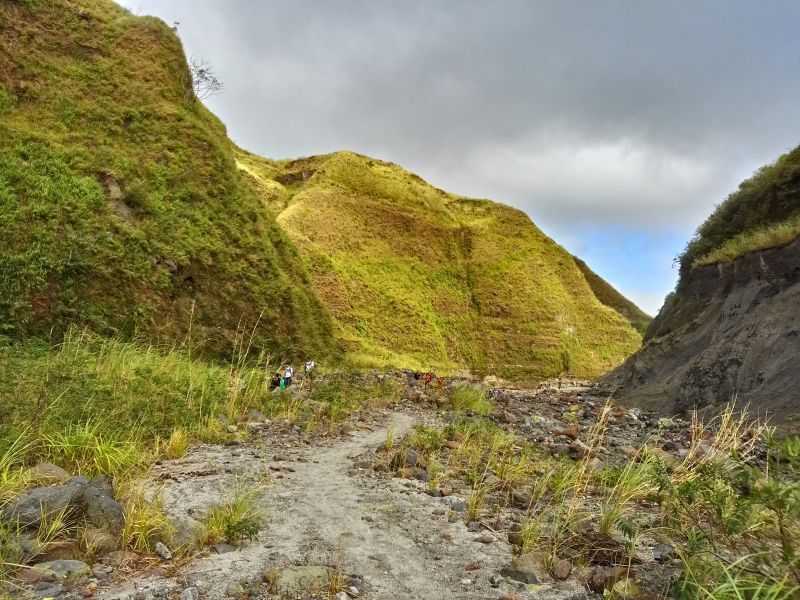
(633, 113)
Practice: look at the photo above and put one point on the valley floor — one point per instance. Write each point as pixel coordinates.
(386, 536)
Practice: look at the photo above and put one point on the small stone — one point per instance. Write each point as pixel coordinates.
(232, 429)
(456, 503)
(353, 591)
(510, 596)
(523, 568)
(599, 578)
(235, 589)
(662, 552)
(484, 539)
(495, 580)
(48, 473)
(61, 569)
(473, 566)
(162, 551)
(626, 451)
(190, 593)
(466, 581)
(473, 526)
(562, 569)
(223, 548)
(121, 558)
(571, 433)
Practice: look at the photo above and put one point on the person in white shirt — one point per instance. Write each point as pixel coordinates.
(287, 375)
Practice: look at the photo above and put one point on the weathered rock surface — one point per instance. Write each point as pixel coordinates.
(302, 579)
(729, 330)
(80, 499)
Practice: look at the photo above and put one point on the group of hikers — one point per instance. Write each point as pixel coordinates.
(428, 378)
(283, 378)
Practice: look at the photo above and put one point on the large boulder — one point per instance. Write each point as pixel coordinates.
(98, 507)
(34, 505)
(79, 499)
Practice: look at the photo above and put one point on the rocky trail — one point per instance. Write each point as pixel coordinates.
(382, 538)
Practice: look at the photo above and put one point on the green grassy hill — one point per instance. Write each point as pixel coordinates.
(609, 296)
(122, 210)
(763, 213)
(121, 207)
(421, 278)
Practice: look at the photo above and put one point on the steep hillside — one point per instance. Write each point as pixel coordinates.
(421, 278)
(121, 207)
(609, 296)
(731, 329)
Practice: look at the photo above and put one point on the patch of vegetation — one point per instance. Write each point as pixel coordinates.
(235, 522)
(330, 401)
(470, 399)
(767, 236)
(121, 207)
(762, 213)
(422, 279)
(732, 515)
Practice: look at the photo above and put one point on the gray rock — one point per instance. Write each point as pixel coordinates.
(63, 569)
(29, 508)
(456, 503)
(78, 498)
(161, 550)
(523, 568)
(190, 593)
(97, 505)
(49, 472)
(663, 552)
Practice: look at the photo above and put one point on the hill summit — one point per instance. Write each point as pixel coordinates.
(418, 277)
(125, 208)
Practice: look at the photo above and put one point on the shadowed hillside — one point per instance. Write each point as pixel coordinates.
(730, 329)
(418, 277)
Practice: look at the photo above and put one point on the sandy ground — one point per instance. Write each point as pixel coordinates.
(322, 510)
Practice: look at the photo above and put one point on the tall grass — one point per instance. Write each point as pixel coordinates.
(767, 236)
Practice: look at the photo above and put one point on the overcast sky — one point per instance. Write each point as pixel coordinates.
(616, 125)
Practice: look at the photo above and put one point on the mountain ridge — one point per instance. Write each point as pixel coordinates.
(380, 217)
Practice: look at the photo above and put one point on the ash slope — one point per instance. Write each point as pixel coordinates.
(731, 329)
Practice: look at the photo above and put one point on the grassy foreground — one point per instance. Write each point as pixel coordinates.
(99, 406)
(731, 515)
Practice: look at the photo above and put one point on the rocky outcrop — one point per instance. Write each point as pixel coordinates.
(729, 331)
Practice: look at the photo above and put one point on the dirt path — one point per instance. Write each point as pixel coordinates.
(388, 534)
